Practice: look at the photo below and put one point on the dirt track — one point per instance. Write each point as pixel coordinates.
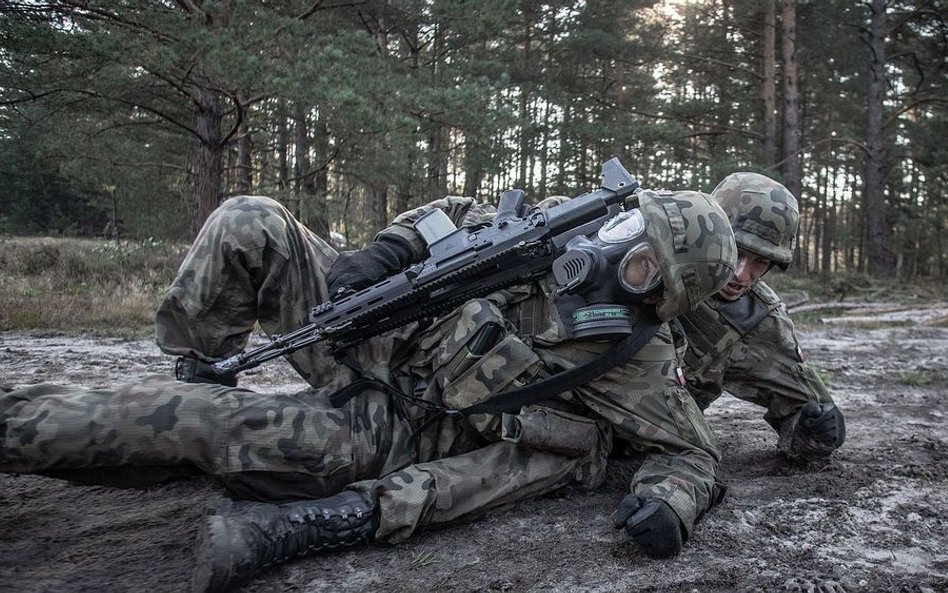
(874, 519)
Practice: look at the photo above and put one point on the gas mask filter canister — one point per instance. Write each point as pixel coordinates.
(611, 270)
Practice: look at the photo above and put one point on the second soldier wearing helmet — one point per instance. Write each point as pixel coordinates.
(742, 339)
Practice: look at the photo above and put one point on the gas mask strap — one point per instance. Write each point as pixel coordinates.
(511, 401)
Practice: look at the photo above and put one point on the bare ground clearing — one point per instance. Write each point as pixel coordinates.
(873, 519)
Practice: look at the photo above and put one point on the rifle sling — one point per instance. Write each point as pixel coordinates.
(511, 401)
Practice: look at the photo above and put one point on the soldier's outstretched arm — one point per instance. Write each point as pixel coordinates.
(769, 368)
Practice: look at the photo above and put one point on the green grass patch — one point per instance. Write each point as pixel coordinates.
(915, 378)
(84, 284)
(422, 559)
(825, 376)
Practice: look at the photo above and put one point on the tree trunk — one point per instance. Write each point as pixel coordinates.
(525, 143)
(311, 186)
(403, 192)
(244, 148)
(566, 144)
(618, 81)
(768, 85)
(829, 221)
(473, 172)
(303, 182)
(791, 109)
(437, 169)
(283, 147)
(377, 198)
(881, 258)
(112, 228)
(543, 184)
(316, 215)
(209, 158)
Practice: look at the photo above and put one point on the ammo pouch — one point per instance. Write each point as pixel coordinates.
(509, 363)
(474, 354)
(551, 430)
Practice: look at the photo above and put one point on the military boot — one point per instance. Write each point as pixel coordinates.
(246, 538)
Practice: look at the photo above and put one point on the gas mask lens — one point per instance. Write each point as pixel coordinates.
(638, 270)
(623, 227)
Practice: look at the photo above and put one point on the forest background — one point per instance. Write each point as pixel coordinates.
(134, 119)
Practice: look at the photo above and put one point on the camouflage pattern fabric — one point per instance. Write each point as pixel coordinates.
(253, 261)
(756, 357)
(650, 411)
(460, 210)
(643, 400)
(694, 243)
(763, 214)
(467, 484)
(260, 446)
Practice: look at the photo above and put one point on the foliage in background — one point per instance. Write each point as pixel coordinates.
(135, 118)
(84, 284)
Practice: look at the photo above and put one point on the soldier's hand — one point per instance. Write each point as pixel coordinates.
(652, 524)
(819, 431)
(354, 270)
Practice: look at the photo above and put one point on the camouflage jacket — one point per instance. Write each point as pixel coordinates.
(537, 342)
(749, 348)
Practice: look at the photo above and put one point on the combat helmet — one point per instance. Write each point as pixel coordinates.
(693, 243)
(763, 213)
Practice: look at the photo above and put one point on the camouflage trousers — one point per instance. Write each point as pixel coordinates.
(252, 262)
(271, 447)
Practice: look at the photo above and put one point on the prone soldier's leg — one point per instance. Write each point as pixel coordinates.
(251, 262)
(464, 358)
(260, 446)
(502, 473)
(245, 538)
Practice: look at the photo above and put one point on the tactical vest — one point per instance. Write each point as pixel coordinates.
(713, 329)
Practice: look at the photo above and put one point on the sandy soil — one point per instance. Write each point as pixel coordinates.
(875, 518)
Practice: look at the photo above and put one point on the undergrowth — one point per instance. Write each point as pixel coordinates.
(84, 284)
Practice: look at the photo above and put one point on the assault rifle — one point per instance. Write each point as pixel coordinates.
(516, 247)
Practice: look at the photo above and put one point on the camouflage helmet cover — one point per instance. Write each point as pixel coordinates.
(694, 245)
(763, 213)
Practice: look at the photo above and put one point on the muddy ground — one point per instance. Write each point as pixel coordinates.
(875, 518)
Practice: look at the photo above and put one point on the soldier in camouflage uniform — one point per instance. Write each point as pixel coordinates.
(253, 262)
(742, 340)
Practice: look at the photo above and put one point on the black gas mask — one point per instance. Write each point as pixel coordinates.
(600, 276)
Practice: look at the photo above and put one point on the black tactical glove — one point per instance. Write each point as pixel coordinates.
(652, 524)
(354, 270)
(192, 370)
(819, 431)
